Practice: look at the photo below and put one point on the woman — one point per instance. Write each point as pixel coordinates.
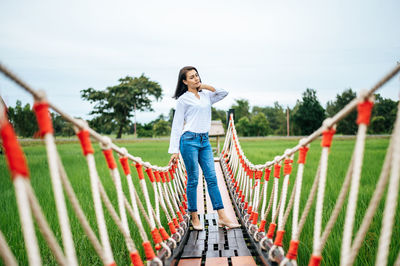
(189, 135)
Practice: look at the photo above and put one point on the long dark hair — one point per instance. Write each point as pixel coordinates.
(181, 87)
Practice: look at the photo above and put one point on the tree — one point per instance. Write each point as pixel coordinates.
(243, 126)
(383, 115)
(275, 116)
(23, 120)
(145, 130)
(218, 115)
(259, 125)
(161, 128)
(119, 103)
(310, 114)
(102, 125)
(242, 109)
(61, 127)
(348, 124)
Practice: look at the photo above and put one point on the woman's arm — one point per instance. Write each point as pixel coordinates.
(177, 127)
(216, 94)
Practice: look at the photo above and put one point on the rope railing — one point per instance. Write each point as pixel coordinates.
(239, 172)
(248, 184)
(168, 184)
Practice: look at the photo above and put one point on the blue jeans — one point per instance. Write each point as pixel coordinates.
(196, 149)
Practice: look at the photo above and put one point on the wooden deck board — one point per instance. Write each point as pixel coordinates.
(223, 261)
(243, 261)
(189, 262)
(230, 212)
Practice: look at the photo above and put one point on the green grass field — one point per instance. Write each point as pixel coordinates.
(257, 150)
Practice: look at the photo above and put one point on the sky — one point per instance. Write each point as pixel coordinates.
(262, 51)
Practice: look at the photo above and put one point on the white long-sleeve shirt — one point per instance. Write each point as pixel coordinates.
(193, 114)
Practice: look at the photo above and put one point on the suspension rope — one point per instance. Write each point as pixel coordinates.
(46, 131)
(6, 253)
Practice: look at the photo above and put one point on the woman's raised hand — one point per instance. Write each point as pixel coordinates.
(174, 158)
(207, 87)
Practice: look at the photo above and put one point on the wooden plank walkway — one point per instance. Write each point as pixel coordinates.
(214, 245)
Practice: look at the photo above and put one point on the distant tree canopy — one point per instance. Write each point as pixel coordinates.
(347, 125)
(116, 104)
(305, 117)
(24, 122)
(309, 113)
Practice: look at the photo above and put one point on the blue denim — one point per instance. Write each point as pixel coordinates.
(196, 149)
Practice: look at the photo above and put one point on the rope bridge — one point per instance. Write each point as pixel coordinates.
(246, 183)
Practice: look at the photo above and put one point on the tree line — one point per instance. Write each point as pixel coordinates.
(116, 106)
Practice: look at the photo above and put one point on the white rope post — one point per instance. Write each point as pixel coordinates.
(108, 154)
(391, 199)
(277, 169)
(88, 152)
(265, 187)
(299, 180)
(355, 182)
(326, 143)
(46, 130)
(5, 252)
(19, 171)
(25, 215)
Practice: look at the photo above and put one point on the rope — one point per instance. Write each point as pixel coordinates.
(5, 252)
(44, 226)
(94, 184)
(391, 199)
(326, 142)
(130, 244)
(81, 216)
(355, 183)
(373, 205)
(46, 130)
(338, 206)
(309, 202)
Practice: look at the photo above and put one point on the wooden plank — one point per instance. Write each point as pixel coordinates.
(230, 213)
(223, 261)
(200, 194)
(208, 200)
(243, 261)
(189, 262)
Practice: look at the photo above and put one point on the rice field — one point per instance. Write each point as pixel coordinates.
(155, 151)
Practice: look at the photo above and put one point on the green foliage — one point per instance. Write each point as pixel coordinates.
(218, 115)
(23, 120)
(117, 104)
(243, 126)
(259, 125)
(145, 130)
(61, 127)
(383, 115)
(310, 114)
(348, 124)
(161, 128)
(102, 125)
(25, 125)
(276, 117)
(242, 109)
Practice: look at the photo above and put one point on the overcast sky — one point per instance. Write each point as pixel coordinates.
(264, 51)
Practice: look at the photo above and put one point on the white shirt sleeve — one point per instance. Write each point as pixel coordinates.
(177, 127)
(217, 95)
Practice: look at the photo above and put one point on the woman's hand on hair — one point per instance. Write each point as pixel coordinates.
(207, 87)
(174, 158)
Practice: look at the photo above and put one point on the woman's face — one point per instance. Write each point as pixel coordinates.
(192, 80)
